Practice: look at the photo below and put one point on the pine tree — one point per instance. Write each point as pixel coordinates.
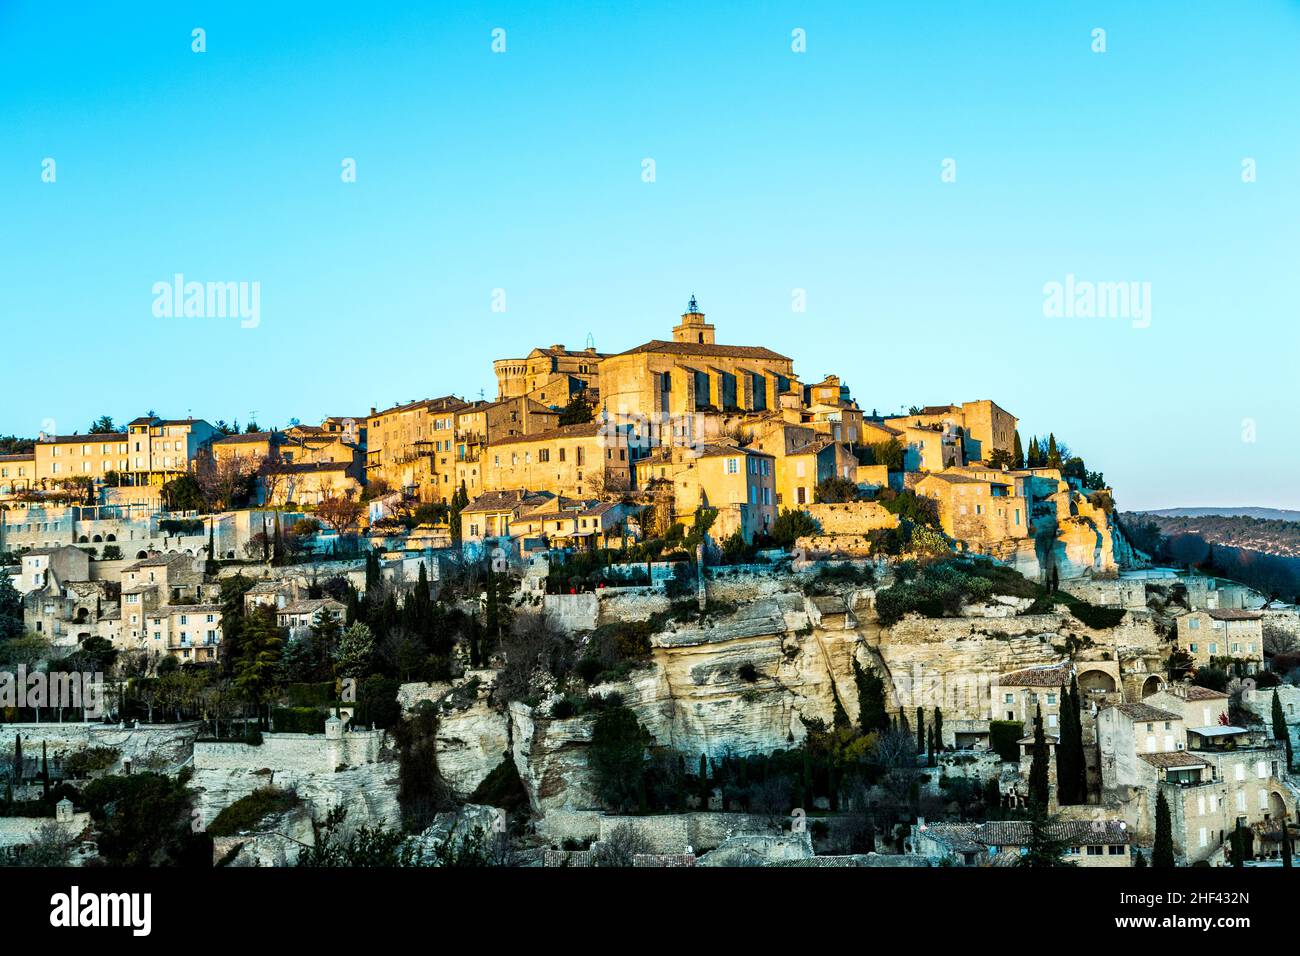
(1038, 776)
(1045, 848)
(1279, 726)
(1018, 453)
(1162, 853)
(259, 660)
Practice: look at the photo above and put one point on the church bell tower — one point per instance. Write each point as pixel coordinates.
(693, 327)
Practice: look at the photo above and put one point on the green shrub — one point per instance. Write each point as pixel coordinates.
(298, 720)
(1003, 735)
(90, 760)
(1098, 618)
(247, 812)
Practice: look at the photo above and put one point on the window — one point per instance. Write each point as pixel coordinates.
(1204, 837)
(1116, 850)
(1051, 698)
(1010, 698)
(733, 466)
(1095, 851)
(1193, 624)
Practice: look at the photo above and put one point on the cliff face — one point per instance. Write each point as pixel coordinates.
(753, 680)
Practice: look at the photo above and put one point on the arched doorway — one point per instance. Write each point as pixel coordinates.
(1151, 686)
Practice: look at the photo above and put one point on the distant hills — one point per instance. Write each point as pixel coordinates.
(1264, 514)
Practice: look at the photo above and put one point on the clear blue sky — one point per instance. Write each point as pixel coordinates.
(775, 171)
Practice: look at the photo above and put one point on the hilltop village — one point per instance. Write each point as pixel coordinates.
(671, 606)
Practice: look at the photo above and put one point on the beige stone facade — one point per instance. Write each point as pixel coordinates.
(1219, 633)
(549, 376)
(578, 461)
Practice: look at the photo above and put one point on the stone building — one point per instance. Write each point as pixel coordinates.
(694, 373)
(1223, 633)
(152, 451)
(412, 447)
(1088, 843)
(550, 376)
(978, 512)
(738, 482)
(588, 460)
(985, 428)
(17, 473)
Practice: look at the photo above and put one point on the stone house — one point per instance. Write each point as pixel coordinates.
(1089, 844)
(978, 512)
(191, 633)
(1223, 633)
(300, 616)
(738, 482)
(588, 460)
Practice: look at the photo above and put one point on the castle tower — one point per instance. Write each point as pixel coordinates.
(693, 327)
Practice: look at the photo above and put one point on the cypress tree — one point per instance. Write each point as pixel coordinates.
(1279, 726)
(1287, 850)
(45, 772)
(920, 730)
(1038, 781)
(1018, 454)
(872, 715)
(1162, 853)
(1080, 760)
(938, 729)
(1065, 775)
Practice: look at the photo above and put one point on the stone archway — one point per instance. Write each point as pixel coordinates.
(1096, 681)
(1152, 685)
(1277, 806)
